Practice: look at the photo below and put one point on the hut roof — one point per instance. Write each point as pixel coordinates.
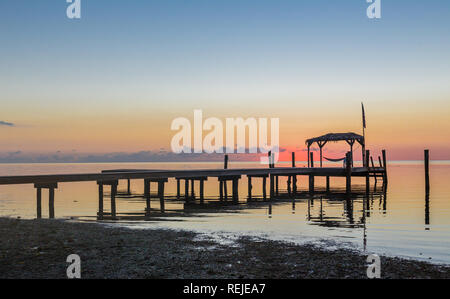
(337, 137)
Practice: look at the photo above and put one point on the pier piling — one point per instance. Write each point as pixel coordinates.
(51, 199)
(272, 187)
(348, 167)
(100, 202)
(264, 188)
(202, 195)
(249, 188)
(385, 177)
(367, 156)
(311, 177)
(427, 170)
(147, 196)
(38, 203)
(161, 195)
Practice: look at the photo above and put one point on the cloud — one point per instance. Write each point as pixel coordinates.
(4, 123)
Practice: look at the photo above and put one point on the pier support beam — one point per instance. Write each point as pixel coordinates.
(186, 190)
(249, 188)
(113, 184)
(272, 187)
(100, 202)
(51, 199)
(128, 187)
(147, 184)
(38, 203)
(293, 178)
(161, 184)
(147, 197)
(277, 181)
(192, 180)
(366, 162)
(294, 185)
(250, 185)
(202, 195)
(385, 178)
(348, 167)
(223, 182)
(311, 177)
(264, 188)
(328, 183)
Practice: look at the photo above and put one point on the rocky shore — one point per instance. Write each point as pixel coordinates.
(39, 249)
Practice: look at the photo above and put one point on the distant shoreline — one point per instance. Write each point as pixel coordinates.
(39, 248)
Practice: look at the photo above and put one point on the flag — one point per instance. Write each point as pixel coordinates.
(363, 116)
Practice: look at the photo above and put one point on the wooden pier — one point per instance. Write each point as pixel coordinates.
(111, 179)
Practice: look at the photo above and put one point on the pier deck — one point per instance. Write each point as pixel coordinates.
(111, 179)
(123, 174)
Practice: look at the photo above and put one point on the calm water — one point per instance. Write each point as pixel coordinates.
(399, 222)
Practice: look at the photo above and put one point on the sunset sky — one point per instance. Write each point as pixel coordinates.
(114, 80)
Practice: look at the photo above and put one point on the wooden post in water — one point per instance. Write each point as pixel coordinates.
(348, 167)
(311, 177)
(276, 185)
(51, 203)
(113, 200)
(202, 185)
(373, 166)
(308, 155)
(221, 191)
(186, 190)
(328, 183)
(147, 197)
(178, 189)
(224, 183)
(427, 188)
(294, 177)
(289, 185)
(38, 203)
(161, 196)
(128, 187)
(249, 188)
(427, 171)
(192, 190)
(235, 190)
(367, 156)
(264, 189)
(100, 201)
(51, 199)
(385, 167)
(225, 162)
(272, 183)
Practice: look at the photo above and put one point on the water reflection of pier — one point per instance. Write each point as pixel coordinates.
(337, 209)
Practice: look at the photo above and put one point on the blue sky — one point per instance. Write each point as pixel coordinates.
(228, 57)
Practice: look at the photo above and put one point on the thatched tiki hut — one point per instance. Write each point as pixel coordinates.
(350, 138)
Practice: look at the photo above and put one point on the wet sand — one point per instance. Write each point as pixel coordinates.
(39, 248)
